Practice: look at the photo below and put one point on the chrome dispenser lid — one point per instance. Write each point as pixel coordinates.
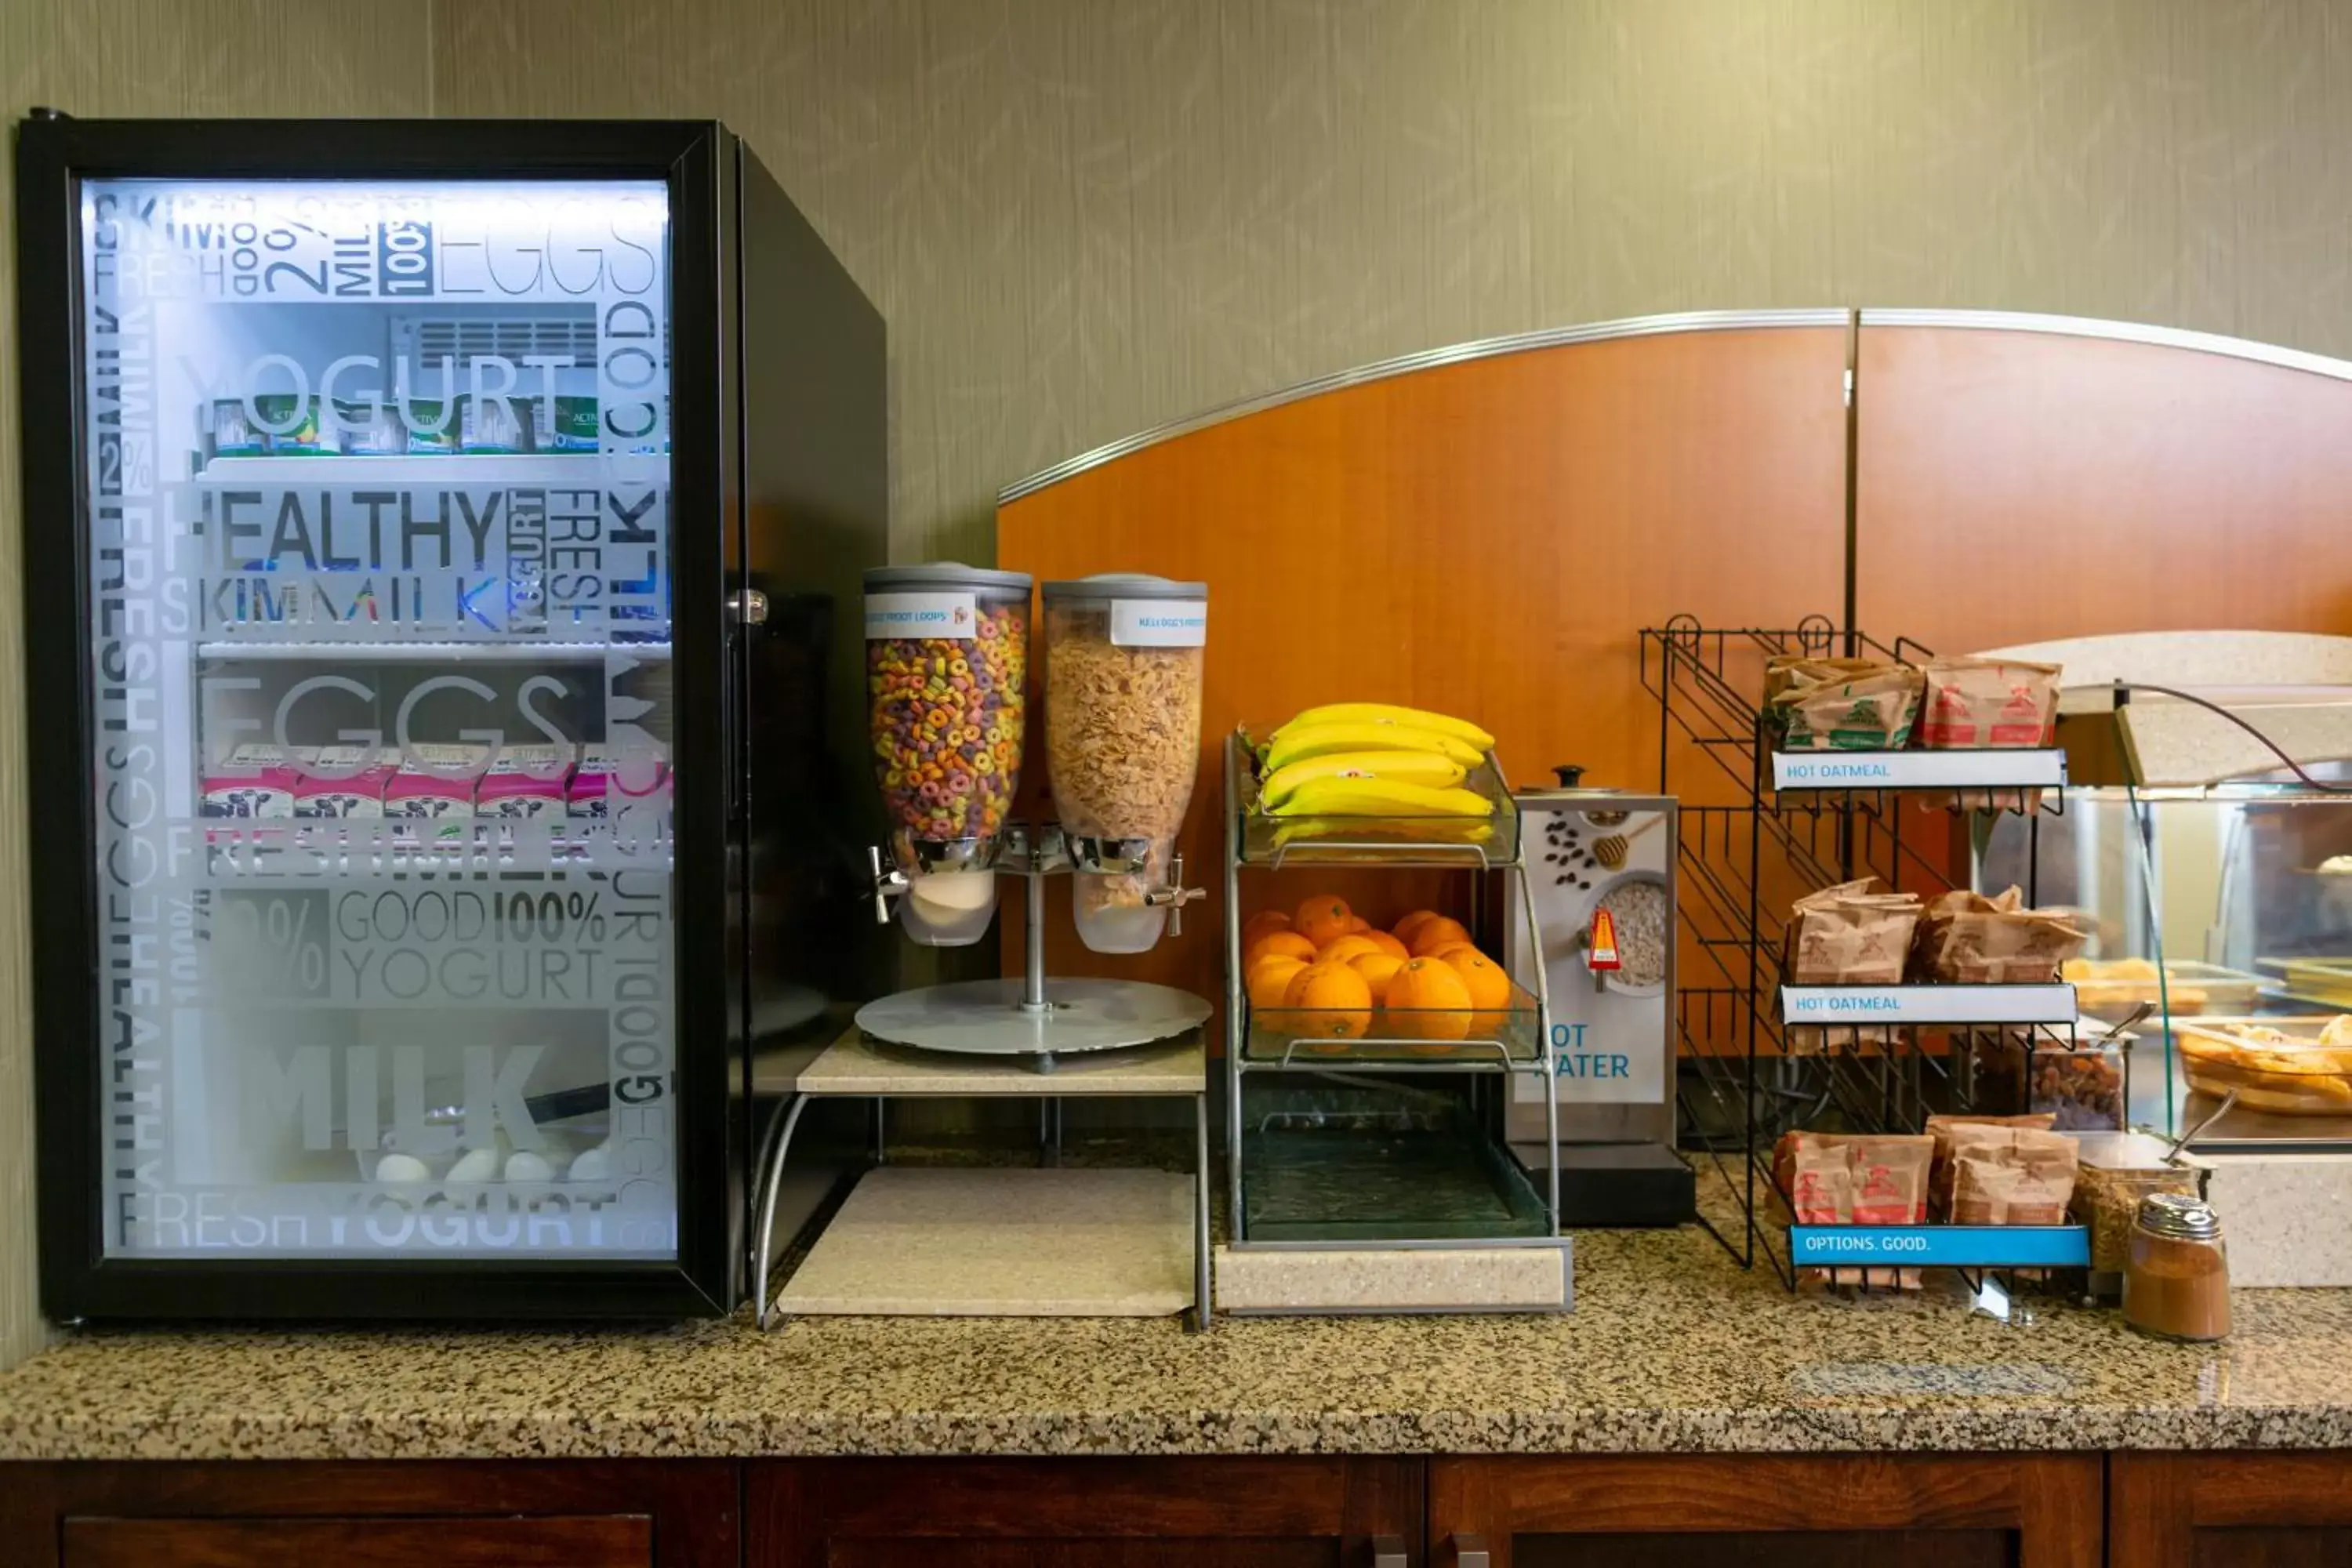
(945, 574)
(1124, 585)
(2179, 1216)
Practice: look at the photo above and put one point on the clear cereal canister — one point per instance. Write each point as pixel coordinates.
(947, 656)
(1123, 664)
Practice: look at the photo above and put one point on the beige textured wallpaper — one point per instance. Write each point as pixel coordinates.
(95, 58)
(1083, 217)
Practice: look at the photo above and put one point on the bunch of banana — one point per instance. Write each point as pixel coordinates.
(1388, 714)
(1371, 758)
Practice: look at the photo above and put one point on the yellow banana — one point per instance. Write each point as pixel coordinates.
(1389, 713)
(1323, 740)
(1407, 767)
(1381, 797)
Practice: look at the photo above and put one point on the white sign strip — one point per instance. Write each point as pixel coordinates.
(1865, 1004)
(2037, 769)
(1159, 622)
(943, 615)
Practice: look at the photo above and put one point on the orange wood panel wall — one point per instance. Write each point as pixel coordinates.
(2018, 485)
(1485, 538)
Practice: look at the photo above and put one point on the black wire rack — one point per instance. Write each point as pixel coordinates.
(1747, 851)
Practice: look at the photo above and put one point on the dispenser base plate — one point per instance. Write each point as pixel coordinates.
(983, 1018)
(1008, 1244)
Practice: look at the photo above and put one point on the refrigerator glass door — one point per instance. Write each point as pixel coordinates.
(380, 585)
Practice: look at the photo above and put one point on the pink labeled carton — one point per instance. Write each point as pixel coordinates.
(257, 779)
(345, 781)
(526, 781)
(434, 781)
(610, 777)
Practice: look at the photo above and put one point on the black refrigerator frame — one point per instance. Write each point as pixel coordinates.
(705, 167)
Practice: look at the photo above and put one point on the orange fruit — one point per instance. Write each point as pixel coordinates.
(1333, 1000)
(1377, 969)
(1448, 951)
(1404, 929)
(1341, 949)
(1289, 942)
(1322, 918)
(1387, 944)
(1436, 931)
(1358, 925)
(1489, 988)
(1265, 922)
(1269, 980)
(1428, 1001)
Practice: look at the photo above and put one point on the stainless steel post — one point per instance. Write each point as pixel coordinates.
(1033, 989)
(1202, 1309)
(1235, 1023)
(771, 1181)
(1545, 1055)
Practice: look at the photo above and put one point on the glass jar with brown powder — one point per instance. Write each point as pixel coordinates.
(2176, 1276)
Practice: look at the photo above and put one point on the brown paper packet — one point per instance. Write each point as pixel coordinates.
(1966, 938)
(1854, 1178)
(2011, 947)
(1952, 1134)
(1989, 1190)
(1851, 934)
(1788, 671)
(1869, 712)
(1976, 704)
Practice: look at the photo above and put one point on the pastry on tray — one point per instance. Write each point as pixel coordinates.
(2301, 1071)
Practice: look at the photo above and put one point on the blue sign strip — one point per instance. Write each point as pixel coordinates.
(1942, 1246)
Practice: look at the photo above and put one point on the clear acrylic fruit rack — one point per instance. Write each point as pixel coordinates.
(1313, 1083)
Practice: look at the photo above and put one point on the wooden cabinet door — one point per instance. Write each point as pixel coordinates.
(1693, 1511)
(1273, 1512)
(587, 1513)
(612, 1542)
(2230, 1511)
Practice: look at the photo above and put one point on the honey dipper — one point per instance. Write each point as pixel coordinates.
(1611, 851)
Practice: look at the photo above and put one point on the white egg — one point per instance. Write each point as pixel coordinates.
(403, 1168)
(475, 1165)
(592, 1165)
(526, 1167)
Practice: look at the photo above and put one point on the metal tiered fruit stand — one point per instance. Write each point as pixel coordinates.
(1880, 1058)
(1342, 1144)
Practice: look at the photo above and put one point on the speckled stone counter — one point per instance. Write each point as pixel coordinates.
(1671, 1348)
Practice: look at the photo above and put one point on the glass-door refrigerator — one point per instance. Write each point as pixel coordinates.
(438, 541)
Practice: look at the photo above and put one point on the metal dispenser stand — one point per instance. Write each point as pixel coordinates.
(1027, 1024)
(1033, 1016)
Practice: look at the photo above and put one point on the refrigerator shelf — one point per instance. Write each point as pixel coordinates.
(438, 468)
(512, 651)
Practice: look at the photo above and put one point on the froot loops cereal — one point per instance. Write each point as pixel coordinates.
(946, 716)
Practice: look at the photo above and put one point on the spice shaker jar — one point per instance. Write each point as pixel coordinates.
(947, 655)
(1123, 671)
(2177, 1275)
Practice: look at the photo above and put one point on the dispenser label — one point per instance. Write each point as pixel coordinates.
(923, 615)
(1159, 622)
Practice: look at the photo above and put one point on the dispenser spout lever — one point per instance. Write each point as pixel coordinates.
(888, 885)
(1175, 895)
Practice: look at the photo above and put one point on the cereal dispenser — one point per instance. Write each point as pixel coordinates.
(947, 651)
(1123, 657)
(946, 647)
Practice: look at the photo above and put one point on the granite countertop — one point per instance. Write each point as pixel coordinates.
(1671, 1347)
